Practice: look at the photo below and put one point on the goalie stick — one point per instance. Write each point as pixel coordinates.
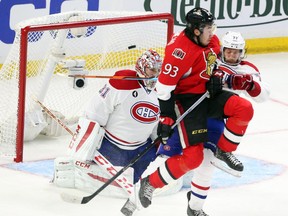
(101, 161)
(72, 198)
(52, 115)
(113, 77)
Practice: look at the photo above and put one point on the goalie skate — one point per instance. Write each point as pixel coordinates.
(128, 208)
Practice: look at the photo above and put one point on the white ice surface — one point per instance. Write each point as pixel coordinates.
(26, 194)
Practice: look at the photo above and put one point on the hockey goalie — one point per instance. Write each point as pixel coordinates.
(118, 124)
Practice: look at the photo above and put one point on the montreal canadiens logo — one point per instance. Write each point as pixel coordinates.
(145, 112)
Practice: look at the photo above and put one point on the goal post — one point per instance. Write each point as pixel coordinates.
(48, 49)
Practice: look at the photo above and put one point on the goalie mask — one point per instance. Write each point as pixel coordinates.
(149, 66)
(233, 41)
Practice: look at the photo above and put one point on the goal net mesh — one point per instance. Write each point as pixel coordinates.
(55, 53)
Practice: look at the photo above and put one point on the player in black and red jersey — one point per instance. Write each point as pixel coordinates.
(188, 71)
(231, 61)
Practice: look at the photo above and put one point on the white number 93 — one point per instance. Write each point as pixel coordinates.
(170, 70)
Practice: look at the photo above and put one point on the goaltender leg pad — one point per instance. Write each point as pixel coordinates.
(108, 168)
(86, 176)
(64, 172)
(89, 176)
(87, 139)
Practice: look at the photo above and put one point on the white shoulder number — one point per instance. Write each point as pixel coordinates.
(171, 70)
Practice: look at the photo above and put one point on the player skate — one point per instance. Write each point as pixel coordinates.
(146, 192)
(227, 162)
(191, 212)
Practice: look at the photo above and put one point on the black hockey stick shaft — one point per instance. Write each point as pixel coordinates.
(140, 155)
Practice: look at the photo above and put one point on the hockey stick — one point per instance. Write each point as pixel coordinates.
(52, 115)
(113, 77)
(101, 161)
(83, 200)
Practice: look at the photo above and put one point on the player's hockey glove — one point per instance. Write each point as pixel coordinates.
(240, 82)
(215, 83)
(164, 129)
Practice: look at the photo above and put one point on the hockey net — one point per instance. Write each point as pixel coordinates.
(48, 49)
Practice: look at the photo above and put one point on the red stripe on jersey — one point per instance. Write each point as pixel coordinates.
(182, 125)
(249, 64)
(119, 140)
(227, 69)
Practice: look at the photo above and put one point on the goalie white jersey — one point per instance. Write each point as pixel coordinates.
(128, 111)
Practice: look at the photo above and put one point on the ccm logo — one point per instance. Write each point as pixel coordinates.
(200, 131)
(82, 164)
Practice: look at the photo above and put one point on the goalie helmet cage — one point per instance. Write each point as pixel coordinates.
(47, 49)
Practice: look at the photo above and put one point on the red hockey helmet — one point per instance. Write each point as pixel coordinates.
(150, 59)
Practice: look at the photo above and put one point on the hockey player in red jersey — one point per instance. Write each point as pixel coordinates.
(230, 62)
(119, 122)
(187, 73)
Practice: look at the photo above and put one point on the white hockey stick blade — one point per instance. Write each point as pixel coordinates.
(71, 198)
(220, 165)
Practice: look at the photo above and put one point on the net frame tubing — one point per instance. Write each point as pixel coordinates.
(76, 24)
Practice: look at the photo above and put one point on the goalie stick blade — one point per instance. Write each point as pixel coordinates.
(72, 198)
(219, 165)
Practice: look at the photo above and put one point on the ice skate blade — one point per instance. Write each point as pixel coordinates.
(220, 165)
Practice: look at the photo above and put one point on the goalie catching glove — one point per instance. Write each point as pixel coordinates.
(240, 82)
(164, 129)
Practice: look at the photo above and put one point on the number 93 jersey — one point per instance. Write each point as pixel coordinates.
(187, 66)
